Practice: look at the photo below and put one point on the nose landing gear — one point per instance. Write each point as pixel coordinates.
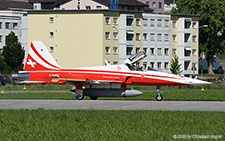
(159, 97)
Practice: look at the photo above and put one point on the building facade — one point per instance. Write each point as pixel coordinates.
(156, 41)
(80, 38)
(184, 41)
(156, 5)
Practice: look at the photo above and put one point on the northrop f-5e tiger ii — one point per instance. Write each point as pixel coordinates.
(104, 81)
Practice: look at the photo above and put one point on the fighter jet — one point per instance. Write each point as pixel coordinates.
(103, 81)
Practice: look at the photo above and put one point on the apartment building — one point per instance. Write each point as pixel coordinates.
(156, 41)
(80, 38)
(123, 5)
(13, 17)
(184, 41)
(9, 21)
(156, 5)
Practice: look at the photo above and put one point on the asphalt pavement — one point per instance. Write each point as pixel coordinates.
(113, 105)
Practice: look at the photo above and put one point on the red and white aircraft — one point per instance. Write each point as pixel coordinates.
(104, 81)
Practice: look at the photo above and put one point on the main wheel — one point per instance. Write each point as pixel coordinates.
(93, 97)
(159, 97)
(80, 97)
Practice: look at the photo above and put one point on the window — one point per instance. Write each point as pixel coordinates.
(159, 37)
(137, 22)
(166, 38)
(187, 51)
(152, 51)
(0, 25)
(187, 24)
(186, 37)
(159, 65)
(138, 36)
(51, 19)
(145, 22)
(166, 23)
(115, 35)
(160, 4)
(193, 51)
(152, 22)
(129, 50)
(145, 36)
(130, 37)
(152, 37)
(159, 51)
(145, 65)
(15, 25)
(194, 38)
(186, 64)
(115, 50)
(145, 50)
(166, 51)
(174, 37)
(130, 20)
(0, 38)
(147, 3)
(107, 36)
(51, 34)
(152, 64)
(107, 50)
(51, 49)
(137, 49)
(173, 51)
(166, 65)
(7, 25)
(153, 4)
(159, 22)
(114, 20)
(174, 24)
(107, 20)
(194, 25)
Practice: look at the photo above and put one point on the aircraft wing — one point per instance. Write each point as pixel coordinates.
(87, 81)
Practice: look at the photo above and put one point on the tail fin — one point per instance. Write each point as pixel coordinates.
(39, 58)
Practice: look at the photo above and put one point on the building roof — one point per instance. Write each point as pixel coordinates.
(42, 1)
(7, 4)
(103, 2)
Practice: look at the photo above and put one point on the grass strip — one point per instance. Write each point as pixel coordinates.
(107, 125)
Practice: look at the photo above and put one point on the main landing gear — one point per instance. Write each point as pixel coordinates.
(159, 97)
(78, 91)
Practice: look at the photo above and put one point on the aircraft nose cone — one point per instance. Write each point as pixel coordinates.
(199, 82)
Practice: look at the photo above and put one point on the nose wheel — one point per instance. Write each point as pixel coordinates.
(159, 97)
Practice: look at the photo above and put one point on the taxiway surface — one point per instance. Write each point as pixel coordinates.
(113, 105)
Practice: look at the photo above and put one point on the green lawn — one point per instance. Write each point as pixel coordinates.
(107, 125)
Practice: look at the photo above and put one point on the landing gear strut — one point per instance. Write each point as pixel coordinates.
(78, 91)
(159, 97)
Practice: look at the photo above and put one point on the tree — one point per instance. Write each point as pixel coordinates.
(212, 39)
(175, 66)
(2, 63)
(13, 52)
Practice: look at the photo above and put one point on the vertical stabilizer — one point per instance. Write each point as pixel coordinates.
(39, 58)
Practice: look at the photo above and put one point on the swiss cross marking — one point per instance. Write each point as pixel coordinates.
(32, 64)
